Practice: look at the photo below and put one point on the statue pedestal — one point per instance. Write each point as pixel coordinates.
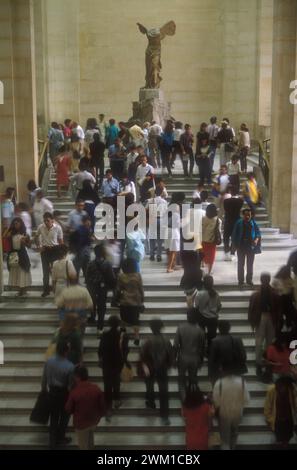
(151, 106)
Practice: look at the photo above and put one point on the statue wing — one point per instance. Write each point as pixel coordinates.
(142, 28)
(168, 29)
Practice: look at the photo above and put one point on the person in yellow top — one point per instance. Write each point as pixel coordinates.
(251, 193)
(280, 409)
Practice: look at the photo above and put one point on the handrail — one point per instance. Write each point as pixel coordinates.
(264, 162)
(42, 163)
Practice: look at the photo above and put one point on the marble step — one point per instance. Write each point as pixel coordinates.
(36, 357)
(27, 344)
(129, 406)
(21, 423)
(29, 388)
(158, 440)
(33, 372)
(50, 319)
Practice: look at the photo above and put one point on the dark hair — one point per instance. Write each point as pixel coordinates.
(108, 171)
(79, 201)
(211, 211)
(81, 372)
(55, 125)
(224, 327)
(156, 325)
(91, 123)
(22, 229)
(114, 322)
(187, 126)
(67, 122)
(204, 195)
(82, 166)
(158, 191)
(196, 200)
(22, 206)
(246, 210)
(96, 137)
(100, 251)
(194, 397)
(178, 198)
(62, 251)
(62, 347)
(129, 266)
(208, 285)
(48, 215)
(227, 120)
(283, 273)
(265, 278)
(213, 119)
(203, 125)
(192, 316)
(112, 122)
(281, 340)
(9, 191)
(31, 186)
(178, 125)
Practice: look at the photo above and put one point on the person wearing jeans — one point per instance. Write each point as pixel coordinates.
(186, 145)
(246, 238)
(57, 380)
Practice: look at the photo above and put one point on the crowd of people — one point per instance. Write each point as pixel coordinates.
(84, 274)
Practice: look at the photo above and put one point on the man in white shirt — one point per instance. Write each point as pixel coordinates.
(78, 130)
(83, 175)
(212, 130)
(40, 207)
(154, 134)
(157, 208)
(48, 237)
(144, 177)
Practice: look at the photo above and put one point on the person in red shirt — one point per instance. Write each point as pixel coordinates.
(277, 356)
(86, 403)
(197, 412)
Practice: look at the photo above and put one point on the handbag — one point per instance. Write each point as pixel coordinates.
(127, 373)
(6, 241)
(218, 236)
(41, 411)
(13, 259)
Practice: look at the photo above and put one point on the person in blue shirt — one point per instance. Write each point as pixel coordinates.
(112, 133)
(246, 239)
(166, 144)
(110, 186)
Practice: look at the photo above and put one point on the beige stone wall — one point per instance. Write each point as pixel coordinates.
(293, 225)
(18, 142)
(282, 114)
(265, 39)
(96, 60)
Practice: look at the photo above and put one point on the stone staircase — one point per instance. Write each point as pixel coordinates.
(27, 325)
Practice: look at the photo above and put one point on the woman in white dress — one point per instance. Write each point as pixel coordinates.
(173, 241)
(18, 260)
(62, 272)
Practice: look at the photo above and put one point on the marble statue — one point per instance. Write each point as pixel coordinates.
(153, 52)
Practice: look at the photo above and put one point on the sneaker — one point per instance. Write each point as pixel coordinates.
(159, 258)
(45, 293)
(136, 342)
(165, 421)
(228, 257)
(250, 284)
(118, 404)
(150, 404)
(65, 441)
(152, 258)
(241, 285)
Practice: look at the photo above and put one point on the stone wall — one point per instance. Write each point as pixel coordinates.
(96, 57)
(18, 143)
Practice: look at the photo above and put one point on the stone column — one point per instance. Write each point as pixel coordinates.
(282, 112)
(265, 39)
(18, 136)
(62, 23)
